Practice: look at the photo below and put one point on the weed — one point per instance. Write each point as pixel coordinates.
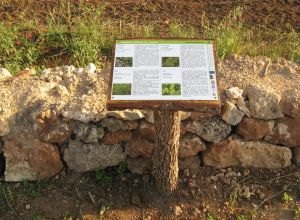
(233, 199)
(103, 178)
(102, 212)
(211, 216)
(248, 216)
(286, 198)
(38, 217)
(34, 189)
(121, 168)
(297, 213)
(67, 215)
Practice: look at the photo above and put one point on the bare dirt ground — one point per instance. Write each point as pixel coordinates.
(205, 194)
(233, 193)
(272, 13)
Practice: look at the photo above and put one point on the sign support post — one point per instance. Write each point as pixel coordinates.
(165, 157)
(166, 76)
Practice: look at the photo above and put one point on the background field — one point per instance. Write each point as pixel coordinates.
(50, 33)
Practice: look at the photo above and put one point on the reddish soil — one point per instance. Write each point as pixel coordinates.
(272, 13)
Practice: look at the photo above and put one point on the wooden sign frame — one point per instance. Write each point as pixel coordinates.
(205, 106)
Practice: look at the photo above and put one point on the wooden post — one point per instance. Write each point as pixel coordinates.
(165, 157)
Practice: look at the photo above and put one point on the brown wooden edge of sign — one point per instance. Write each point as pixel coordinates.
(205, 106)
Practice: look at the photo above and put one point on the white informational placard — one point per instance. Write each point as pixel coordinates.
(164, 69)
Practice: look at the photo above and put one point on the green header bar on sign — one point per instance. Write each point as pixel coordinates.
(164, 41)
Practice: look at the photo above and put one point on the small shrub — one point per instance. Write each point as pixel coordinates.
(103, 178)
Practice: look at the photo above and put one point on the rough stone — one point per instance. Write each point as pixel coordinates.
(90, 68)
(74, 96)
(234, 93)
(4, 127)
(139, 147)
(236, 152)
(149, 116)
(290, 103)
(263, 104)
(28, 158)
(231, 114)
(210, 129)
(85, 109)
(68, 69)
(116, 137)
(190, 145)
(286, 131)
(191, 163)
(4, 73)
(254, 129)
(296, 156)
(136, 200)
(131, 125)
(183, 128)
(115, 124)
(88, 133)
(177, 210)
(139, 165)
(78, 70)
(87, 157)
(147, 130)
(127, 114)
(49, 127)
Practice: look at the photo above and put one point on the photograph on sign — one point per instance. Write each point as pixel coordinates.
(164, 69)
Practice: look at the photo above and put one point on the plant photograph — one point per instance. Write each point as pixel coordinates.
(171, 89)
(121, 89)
(123, 62)
(170, 61)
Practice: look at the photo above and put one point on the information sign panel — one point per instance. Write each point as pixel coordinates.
(179, 73)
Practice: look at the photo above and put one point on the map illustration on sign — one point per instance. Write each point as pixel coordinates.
(164, 69)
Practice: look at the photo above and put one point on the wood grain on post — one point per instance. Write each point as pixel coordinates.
(165, 157)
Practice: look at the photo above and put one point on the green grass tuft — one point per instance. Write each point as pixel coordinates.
(79, 34)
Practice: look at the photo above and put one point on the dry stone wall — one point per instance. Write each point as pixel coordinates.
(59, 119)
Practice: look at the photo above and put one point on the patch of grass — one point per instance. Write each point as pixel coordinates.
(103, 178)
(34, 189)
(79, 34)
(234, 37)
